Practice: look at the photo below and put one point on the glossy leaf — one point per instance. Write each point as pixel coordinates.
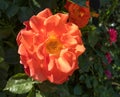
(17, 84)
(93, 38)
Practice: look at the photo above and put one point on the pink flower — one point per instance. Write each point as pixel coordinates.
(108, 74)
(113, 35)
(108, 57)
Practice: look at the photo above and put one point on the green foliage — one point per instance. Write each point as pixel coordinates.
(3, 5)
(24, 13)
(93, 37)
(77, 90)
(19, 84)
(12, 10)
(88, 81)
(80, 2)
(5, 29)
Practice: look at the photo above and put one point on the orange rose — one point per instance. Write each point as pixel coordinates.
(78, 14)
(49, 47)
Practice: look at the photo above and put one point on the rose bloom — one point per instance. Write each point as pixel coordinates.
(108, 57)
(49, 47)
(78, 14)
(113, 35)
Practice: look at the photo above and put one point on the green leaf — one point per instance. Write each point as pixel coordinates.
(78, 90)
(0, 13)
(19, 84)
(2, 94)
(3, 74)
(63, 91)
(100, 71)
(88, 82)
(3, 5)
(20, 2)
(117, 60)
(80, 2)
(95, 82)
(5, 31)
(35, 93)
(25, 13)
(2, 53)
(85, 95)
(4, 66)
(12, 10)
(103, 2)
(38, 94)
(49, 4)
(47, 87)
(2, 81)
(11, 56)
(1, 59)
(36, 3)
(31, 93)
(20, 76)
(93, 38)
(84, 64)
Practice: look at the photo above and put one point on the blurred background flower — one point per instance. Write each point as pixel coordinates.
(79, 15)
(112, 34)
(108, 74)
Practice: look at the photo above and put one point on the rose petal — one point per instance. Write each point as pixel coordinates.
(64, 62)
(51, 63)
(27, 37)
(63, 17)
(36, 24)
(35, 71)
(18, 39)
(68, 40)
(51, 22)
(80, 49)
(22, 50)
(45, 13)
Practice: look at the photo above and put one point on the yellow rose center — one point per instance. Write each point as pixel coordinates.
(53, 45)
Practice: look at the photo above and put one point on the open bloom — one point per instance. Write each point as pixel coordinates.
(78, 14)
(113, 35)
(49, 47)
